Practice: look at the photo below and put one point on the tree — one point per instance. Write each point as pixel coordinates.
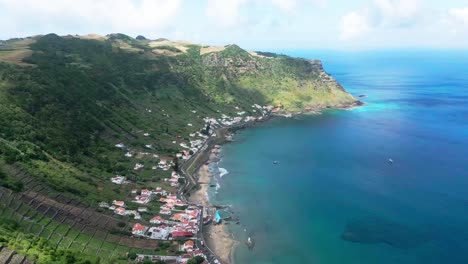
(206, 131)
(196, 260)
(132, 255)
(176, 164)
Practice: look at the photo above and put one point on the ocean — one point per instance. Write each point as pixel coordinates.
(334, 197)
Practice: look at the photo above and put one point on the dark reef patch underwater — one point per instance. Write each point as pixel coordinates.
(378, 230)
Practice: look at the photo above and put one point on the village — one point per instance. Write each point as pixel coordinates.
(162, 212)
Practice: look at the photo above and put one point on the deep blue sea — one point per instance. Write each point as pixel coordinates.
(334, 197)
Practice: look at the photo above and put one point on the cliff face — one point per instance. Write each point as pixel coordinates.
(296, 84)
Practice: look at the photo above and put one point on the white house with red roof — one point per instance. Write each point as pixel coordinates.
(142, 199)
(188, 246)
(156, 220)
(139, 229)
(146, 192)
(120, 211)
(165, 212)
(118, 203)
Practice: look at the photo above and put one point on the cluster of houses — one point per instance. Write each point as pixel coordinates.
(181, 225)
(144, 197)
(226, 120)
(119, 208)
(174, 179)
(170, 202)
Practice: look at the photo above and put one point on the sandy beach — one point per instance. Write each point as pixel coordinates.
(200, 195)
(216, 237)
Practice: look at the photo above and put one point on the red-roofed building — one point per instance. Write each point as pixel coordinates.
(156, 220)
(178, 217)
(188, 246)
(139, 229)
(120, 211)
(118, 203)
(165, 212)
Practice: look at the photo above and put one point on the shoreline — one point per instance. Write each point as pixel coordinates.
(218, 239)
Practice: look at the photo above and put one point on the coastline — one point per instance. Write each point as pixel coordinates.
(218, 239)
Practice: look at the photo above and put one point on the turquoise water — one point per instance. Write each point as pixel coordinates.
(334, 197)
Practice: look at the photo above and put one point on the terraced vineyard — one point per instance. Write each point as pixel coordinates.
(68, 224)
(8, 256)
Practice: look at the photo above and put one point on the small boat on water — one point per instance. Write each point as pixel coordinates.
(275, 162)
(390, 160)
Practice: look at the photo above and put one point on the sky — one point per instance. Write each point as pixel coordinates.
(252, 24)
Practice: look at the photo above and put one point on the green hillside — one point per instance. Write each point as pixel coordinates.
(65, 102)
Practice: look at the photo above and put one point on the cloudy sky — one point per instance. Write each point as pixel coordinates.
(255, 24)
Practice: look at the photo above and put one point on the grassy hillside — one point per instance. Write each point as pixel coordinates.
(67, 101)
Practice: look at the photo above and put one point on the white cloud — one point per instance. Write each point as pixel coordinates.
(113, 15)
(354, 24)
(225, 13)
(230, 13)
(398, 12)
(379, 14)
(460, 15)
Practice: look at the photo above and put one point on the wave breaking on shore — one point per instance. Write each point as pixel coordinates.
(222, 172)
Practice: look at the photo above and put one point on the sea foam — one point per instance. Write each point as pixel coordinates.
(222, 172)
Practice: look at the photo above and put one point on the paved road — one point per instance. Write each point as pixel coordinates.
(189, 184)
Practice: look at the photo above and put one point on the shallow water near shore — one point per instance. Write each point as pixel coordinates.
(334, 197)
